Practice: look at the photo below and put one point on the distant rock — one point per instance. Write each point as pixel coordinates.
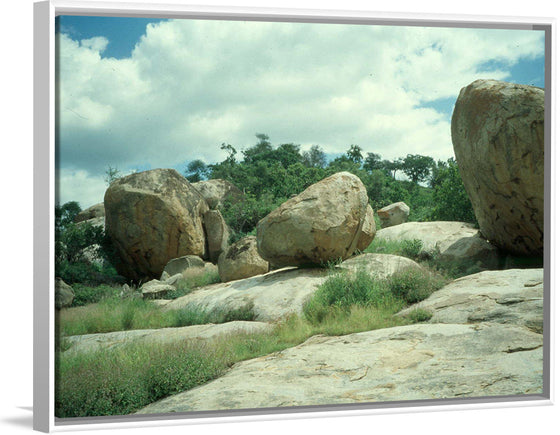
(322, 224)
(367, 233)
(241, 260)
(433, 235)
(155, 289)
(180, 265)
(512, 296)
(379, 265)
(472, 251)
(93, 212)
(498, 137)
(217, 191)
(63, 294)
(393, 214)
(153, 217)
(217, 234)
(415, 362)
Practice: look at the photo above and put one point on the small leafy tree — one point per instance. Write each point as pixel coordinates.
(196, 171)
(314, 158)
(417, 167)
(111, 174)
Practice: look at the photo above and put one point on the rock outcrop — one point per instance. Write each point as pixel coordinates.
(217, 191)
(321, 224)
(433, 235)
(63, 294)
(416, 362)
(379, 265)
(156, 289)
(217, 234)
(367, 233)
(152, 217)
(393, 214)
(93, 212)
(471, 251)
(241, 260)
(181, 264)
(111, 340)
(512, 296)
(498, 137)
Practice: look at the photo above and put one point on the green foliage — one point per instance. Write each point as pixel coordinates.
(111, 174)
(419, 315)
(65, 214)
(196, 171)
(120, 381)
(414, 285)
(84, 294)
(314, 158)
(451, 202)
(410, 248)
(417, 167)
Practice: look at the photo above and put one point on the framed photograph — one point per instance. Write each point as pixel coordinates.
(245, 213)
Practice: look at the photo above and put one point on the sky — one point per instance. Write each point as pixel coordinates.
(138, 94)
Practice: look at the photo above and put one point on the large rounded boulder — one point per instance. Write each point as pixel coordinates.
(323, 223)
(241, 260)
(151, 218)
(218, 191)
(498, 137)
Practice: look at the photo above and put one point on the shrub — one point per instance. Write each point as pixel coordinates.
(419, 315)
(84, 294)
(414, 285)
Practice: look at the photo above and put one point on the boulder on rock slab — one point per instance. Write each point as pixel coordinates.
(367, 234)
(471, 251)
(151, 218)
(322, 224)
(95, 211)
(241, 260)
(393, 214)
(217, 234)
(497, 130)
(217, 191)
(180, 265)
(63, 294)
(156, 289)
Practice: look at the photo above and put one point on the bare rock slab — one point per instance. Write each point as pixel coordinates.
(497, 130)
(512, 296)
(433, 235)
(109, 340)
(416, 362)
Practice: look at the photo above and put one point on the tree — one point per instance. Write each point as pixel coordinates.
(314, 158)
(64, 215)
(417, 167)
(450, 197)
(390, 167)
(111, 174)
(196, 171)
(372, 162)
(354, 153)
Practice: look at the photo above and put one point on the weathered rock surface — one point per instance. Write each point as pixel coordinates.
(280, 293)
(156, 289)
(241, 260)
(367, 233)
(422, 361)
(93, 212)
(380, 265)
(152, 217)
(273, 295)
(109, 340)
(216, 191)
(498, 137)
(63, 294)
(217, 234)
(512, 296)
(433, 235)
(181, 264)
(393, 214)
(321, 224)
(470, 251)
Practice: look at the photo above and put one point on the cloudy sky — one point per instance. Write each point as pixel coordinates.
(137, 94)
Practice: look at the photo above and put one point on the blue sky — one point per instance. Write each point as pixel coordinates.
(141, 93)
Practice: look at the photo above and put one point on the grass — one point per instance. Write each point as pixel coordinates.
(192, 279)
(406, 248)
(123, 315)
(123, 380)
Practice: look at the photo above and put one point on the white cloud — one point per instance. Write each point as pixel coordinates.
(191, 85)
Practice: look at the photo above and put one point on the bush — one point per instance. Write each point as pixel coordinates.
(84, 294)
(414, 285)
